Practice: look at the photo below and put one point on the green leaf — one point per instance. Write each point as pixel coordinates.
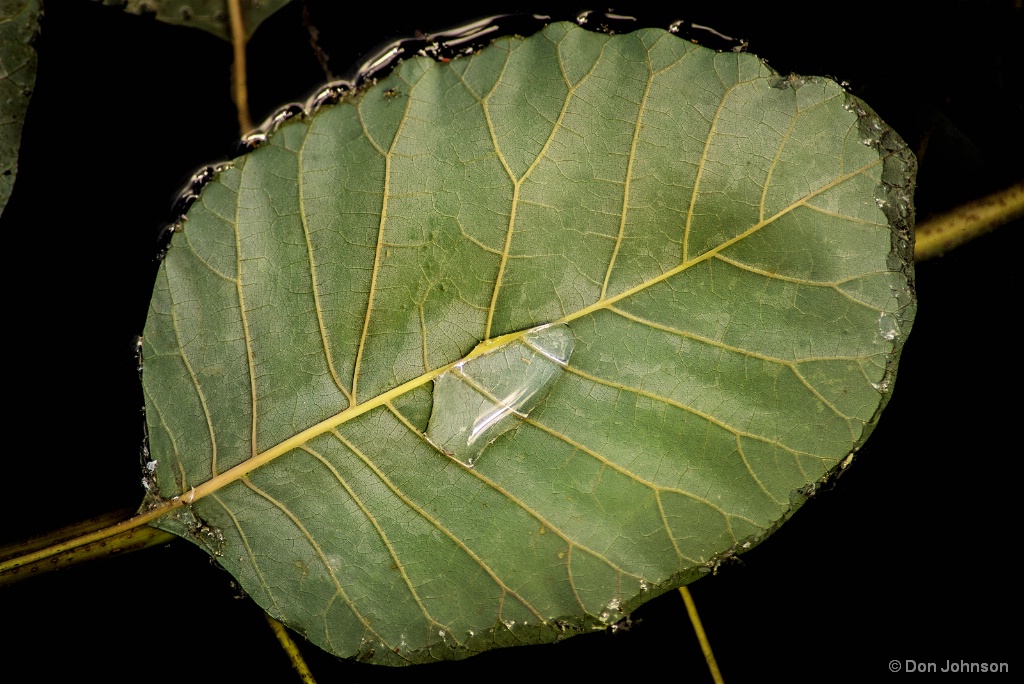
(208, 15)
(19, 22)
(699, 271)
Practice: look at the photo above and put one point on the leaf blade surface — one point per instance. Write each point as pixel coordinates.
(19, 24)
(715, 240)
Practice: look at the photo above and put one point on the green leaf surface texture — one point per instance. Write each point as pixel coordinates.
(209, 15)
(699, 271)
(19, 23)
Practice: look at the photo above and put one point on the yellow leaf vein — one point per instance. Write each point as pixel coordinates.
(380, 531)
(199, 390)
(429, 518)
(249, 552)
(317, 306)
(339, 591)
(516, 500)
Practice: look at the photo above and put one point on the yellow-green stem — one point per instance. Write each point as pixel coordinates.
(32, 557)
(239, 81)
(943, 232)
(15, 566)
(705, 645)
(292, 649)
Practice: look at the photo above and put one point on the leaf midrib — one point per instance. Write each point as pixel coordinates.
(260, 459)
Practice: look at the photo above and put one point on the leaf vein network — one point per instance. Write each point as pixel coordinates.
(199, 257)
(726, 347)
(198, 388)
(633, 476)
(250, 362)
(317, 306)
(425, 515)
(339, 591)
(380, 532)
(637, 127)
(248, 550)
(517, 183)
(154, 406)
(518, 502)
(685, 407)
(363, 335)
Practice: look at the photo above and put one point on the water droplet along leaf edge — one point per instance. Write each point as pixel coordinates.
(615, 192)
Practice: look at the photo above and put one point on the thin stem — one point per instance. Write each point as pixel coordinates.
(238, 81)
(31, 557)
(705, 645)
(292, 649)
(72, 549)
(943, 232)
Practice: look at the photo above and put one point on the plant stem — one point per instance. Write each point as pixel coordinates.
(58, 550)
(705, 645)
(292, 649)
(943, 232)
(31, 557)
(240, 88)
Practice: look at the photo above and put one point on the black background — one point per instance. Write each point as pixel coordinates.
(906, 557)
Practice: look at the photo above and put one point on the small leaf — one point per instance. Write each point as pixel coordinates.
(208, 15)
(700, 270)
(19, 23)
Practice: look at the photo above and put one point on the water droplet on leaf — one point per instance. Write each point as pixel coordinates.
(490, 393)
(888, 326)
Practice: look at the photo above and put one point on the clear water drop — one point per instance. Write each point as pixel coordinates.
(490, 393)
(888, 326)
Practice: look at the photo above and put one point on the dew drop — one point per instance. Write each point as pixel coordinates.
(888, 326)
(489, 393)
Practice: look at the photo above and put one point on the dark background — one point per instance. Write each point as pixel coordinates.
(906, 557)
